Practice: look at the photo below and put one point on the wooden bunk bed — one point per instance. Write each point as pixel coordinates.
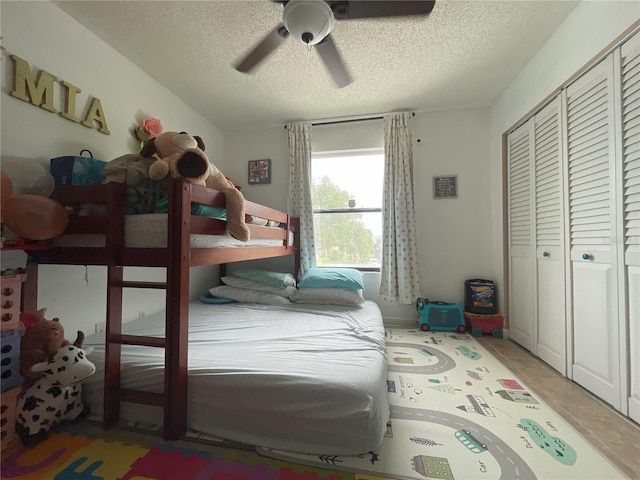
(177, 257)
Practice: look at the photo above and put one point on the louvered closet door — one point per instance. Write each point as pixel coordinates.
(522, 322)
(549, 237)
(592, 190)
(630, 67)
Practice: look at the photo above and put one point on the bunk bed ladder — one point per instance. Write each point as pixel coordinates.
(114, 393)
(173, 399)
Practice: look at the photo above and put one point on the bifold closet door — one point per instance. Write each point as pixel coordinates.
(549, 237)
(592, 229)
(537, 318)
(522, 303)
(630, 93)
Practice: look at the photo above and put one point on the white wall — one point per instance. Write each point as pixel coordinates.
(272, 143)
(454, 235)
(590, 27)
(48, 39)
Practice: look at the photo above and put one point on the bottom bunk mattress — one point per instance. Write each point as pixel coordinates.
(303, 378)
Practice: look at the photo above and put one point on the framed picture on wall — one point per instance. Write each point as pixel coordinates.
(259, 171)
(445, 187)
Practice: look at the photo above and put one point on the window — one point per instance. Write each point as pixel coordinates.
(347, 191)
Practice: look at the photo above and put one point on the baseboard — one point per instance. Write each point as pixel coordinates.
(397, 322)
(634, 409)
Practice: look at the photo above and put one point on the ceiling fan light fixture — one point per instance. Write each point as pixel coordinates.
(309, 21)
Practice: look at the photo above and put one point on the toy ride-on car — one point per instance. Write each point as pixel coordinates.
(441, 316)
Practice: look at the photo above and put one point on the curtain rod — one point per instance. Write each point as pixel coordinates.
(335, 122)
(351, 120)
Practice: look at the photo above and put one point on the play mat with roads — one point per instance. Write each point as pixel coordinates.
(458, 413)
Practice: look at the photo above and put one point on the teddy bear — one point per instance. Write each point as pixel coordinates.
(178, 154)
(42, 340)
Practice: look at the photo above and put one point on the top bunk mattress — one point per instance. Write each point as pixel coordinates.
(303, 378)
(149, 230)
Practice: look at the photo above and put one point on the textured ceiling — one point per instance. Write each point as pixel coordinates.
(463, 55)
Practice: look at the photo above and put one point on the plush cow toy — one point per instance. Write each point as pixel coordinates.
(57, 396)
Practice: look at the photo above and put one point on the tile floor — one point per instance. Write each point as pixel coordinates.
(617, 437)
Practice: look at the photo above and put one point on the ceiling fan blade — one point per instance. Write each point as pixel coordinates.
(272, 41)
(333, 61)
(347, 10)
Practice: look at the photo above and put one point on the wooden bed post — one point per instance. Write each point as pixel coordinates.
(30, 289)
(113, 349)
(177, 311)
(295, 223)
(115, 282)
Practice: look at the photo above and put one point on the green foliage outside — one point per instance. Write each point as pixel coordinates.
(341, 238)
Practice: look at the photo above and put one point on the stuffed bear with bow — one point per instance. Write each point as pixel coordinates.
(179, 154)
(41, 341)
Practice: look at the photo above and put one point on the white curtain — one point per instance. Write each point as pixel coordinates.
(300, 190)
(399, 269)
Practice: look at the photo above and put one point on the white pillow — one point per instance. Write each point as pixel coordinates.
(276, 279)
(248, 296)
(329, 296)
(287, 291)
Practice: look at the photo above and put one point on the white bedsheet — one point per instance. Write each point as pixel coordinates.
(288, 378)
(149, 230)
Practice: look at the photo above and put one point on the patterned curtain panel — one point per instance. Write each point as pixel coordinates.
(399, 270)
(300, 190)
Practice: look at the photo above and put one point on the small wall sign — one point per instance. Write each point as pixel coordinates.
(445, 187)
(259, 171)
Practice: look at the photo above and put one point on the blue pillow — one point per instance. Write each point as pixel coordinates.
(275, 279)
(348, 278)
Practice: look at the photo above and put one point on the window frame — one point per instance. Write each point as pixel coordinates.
(351, 153)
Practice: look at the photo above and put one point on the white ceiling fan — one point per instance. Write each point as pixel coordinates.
(311, 22)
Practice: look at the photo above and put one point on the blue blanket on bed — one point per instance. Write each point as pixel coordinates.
(162, 206)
